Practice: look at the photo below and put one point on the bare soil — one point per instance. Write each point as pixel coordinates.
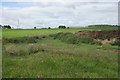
(103, 35)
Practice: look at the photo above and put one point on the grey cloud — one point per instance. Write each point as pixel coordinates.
(64, 12)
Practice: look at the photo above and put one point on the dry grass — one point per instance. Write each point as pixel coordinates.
(21, 49)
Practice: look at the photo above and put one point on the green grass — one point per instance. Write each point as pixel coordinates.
(0, 59)
(73, 39)
(0, 54)
(26, 32)
(57, 59)
(62, 60)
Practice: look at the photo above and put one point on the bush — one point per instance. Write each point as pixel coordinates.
(49, 27)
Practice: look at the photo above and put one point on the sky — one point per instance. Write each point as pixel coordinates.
(52, 13)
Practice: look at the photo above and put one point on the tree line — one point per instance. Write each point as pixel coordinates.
(102, 25)
(60, 27)
(5, 27)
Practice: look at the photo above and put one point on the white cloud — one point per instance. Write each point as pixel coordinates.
(60, 1)
(46, 13)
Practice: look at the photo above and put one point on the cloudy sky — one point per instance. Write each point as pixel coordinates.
(45, 13)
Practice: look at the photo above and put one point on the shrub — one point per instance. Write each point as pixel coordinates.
(49, 27)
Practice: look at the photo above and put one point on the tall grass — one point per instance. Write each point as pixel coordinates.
(57, 56)
(60, 60)
(73, 39)
(26, 39)
(22, 49)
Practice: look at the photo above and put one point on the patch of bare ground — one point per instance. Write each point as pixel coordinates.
(102, 35)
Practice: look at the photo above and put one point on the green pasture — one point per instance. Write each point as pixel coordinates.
(27, 32)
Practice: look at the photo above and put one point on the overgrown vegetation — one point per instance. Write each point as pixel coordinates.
(22, 49)
(62, 55)
(27, 39)
(51, 58)
(73, 39)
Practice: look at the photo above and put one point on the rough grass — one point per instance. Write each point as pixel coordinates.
(0, 59)
(73, 39)
(52, 58)
(0, 54)
(26, 39)
(60, 60)
(22, 49)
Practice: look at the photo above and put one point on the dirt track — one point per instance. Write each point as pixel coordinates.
(100, 34)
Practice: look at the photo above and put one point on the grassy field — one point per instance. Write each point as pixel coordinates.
(52, 58)
(20, 33)
(0, 54)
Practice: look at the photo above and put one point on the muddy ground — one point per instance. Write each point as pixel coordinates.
(103, 35)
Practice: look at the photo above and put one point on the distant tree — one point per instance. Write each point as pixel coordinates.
(67, 27)
(34, 27)
(7, 27)
(0, 26)
(49, 27)
(62, 27)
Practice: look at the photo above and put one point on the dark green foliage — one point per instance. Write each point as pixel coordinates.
(116, 43)
(6, 27)
(49, 27)
(34, 27)
(62, 27)
(68, 27)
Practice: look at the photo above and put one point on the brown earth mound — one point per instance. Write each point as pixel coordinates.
(113, 34)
